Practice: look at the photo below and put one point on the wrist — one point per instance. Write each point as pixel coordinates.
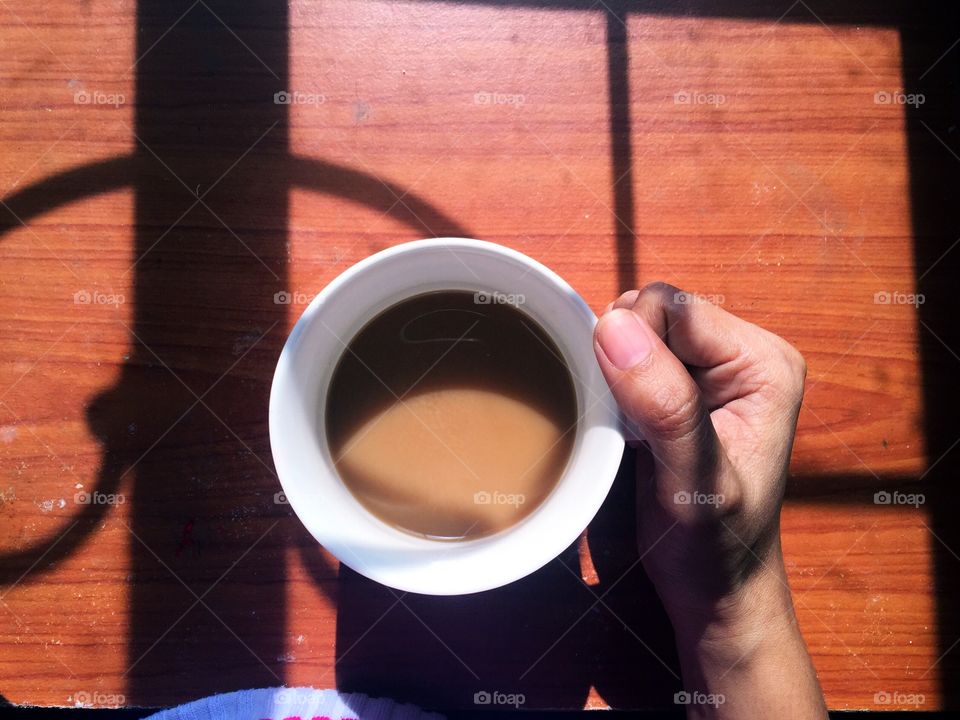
(760, 607)
(747, 656)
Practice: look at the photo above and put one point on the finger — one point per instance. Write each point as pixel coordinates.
(729, 357)
(624, 301)
(655, 391)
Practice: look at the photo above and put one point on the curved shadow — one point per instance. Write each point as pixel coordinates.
(27, 204)
(317, 175)
(69, 186)
(372, 192)
(116, 173)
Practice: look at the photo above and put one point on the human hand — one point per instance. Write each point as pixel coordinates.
(716, 400)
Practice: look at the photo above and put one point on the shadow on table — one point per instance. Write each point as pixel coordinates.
(201, 482)
(546, 637)
(384, 645)
(184, 430)
(934, 150)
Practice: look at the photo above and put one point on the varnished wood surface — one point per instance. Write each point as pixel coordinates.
(181, 199)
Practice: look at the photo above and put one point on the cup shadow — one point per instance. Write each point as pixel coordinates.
(547, 636)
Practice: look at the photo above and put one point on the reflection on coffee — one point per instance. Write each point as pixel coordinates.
(451, 415)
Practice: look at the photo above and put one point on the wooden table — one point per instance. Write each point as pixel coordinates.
(157, 197)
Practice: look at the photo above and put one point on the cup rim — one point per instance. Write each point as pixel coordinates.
(607, 438)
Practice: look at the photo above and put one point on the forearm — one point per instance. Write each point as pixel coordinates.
(750, 660)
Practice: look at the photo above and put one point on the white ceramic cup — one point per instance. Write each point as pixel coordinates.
(298, 435)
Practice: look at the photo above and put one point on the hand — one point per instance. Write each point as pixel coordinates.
(716, 400)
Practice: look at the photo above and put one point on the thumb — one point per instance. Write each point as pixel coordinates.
(655, 391)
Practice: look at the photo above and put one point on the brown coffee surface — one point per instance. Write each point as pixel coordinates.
(450, 417)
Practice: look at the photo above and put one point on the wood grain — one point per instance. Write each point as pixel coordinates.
(761, 171)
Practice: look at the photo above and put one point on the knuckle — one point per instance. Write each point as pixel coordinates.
(677, 413)
(788, 370)
(796, 369)
(664, 292)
